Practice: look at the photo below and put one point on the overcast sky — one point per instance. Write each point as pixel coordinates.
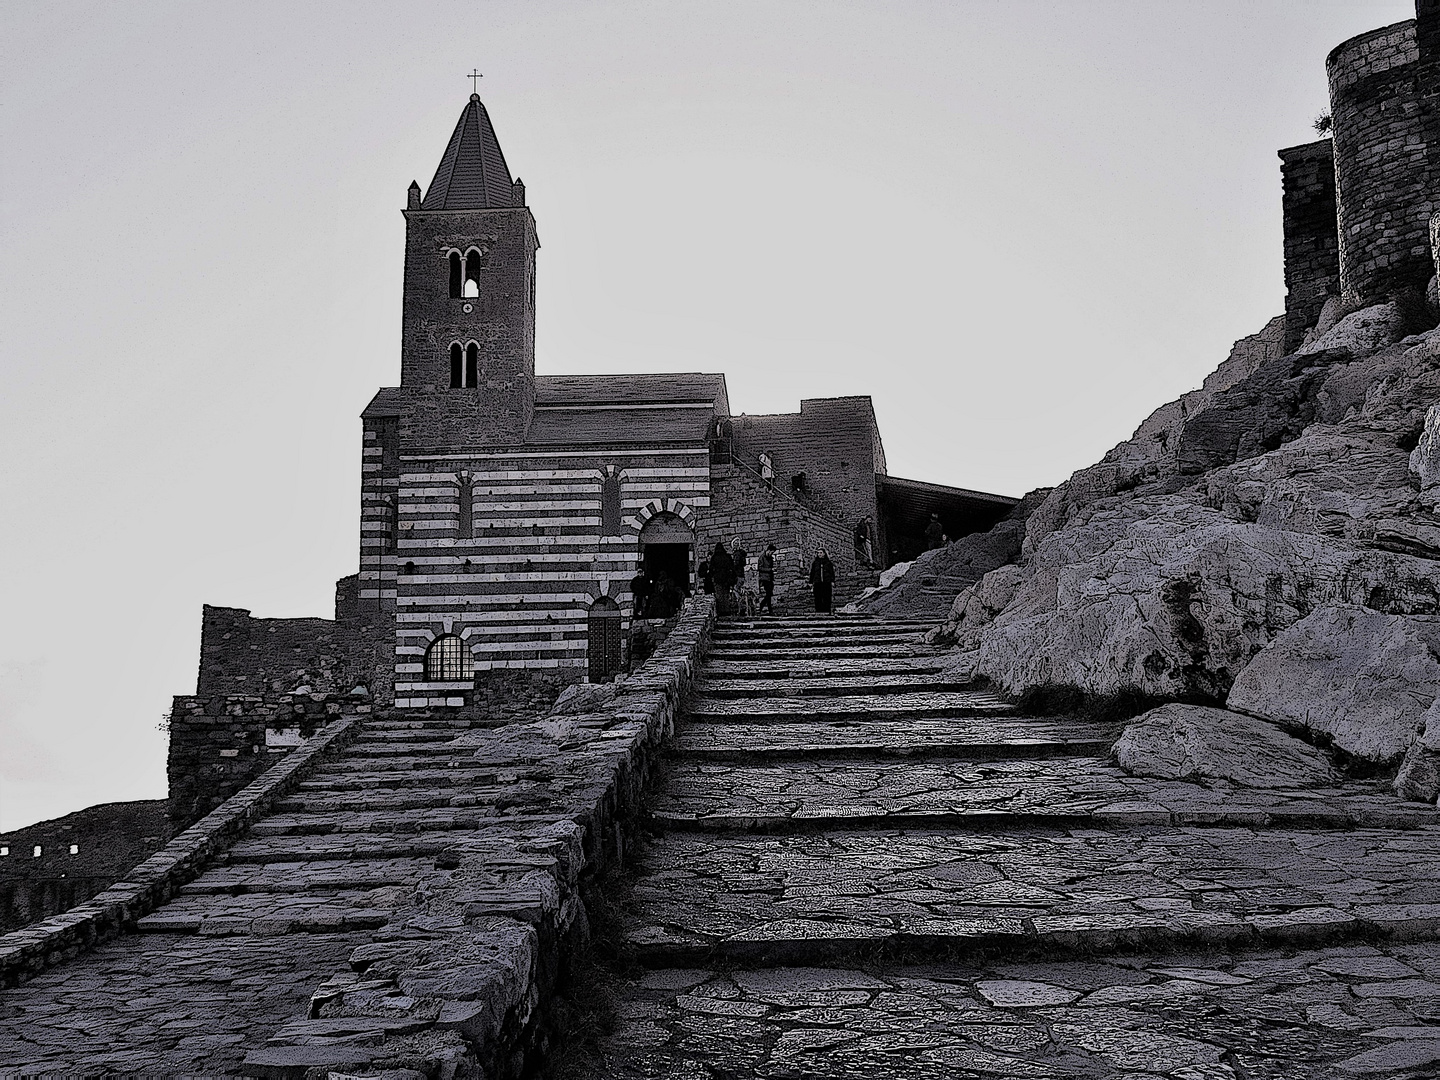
(1019, 226)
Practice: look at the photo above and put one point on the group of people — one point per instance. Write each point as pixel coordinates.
(724, 575)
(657, 598)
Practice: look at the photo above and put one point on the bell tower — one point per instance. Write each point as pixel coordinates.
(468, 324)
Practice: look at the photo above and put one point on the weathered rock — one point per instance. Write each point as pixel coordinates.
(1360, 333)
(1183, 742)
(1175, 598)
(582, 698)
(1419, 775)
(1425, 458)
(1361, 677)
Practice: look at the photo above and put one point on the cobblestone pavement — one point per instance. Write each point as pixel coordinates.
(856, 873)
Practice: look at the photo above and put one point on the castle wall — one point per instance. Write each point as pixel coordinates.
(1312, 251)
(1381, 98)
(220, 743)
(240, 654)
(834, 442)
(108, 840)
(742, 505)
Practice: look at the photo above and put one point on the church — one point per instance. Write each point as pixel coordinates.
(504, 514)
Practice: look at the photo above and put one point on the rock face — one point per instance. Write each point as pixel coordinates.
(1360, 677)
(1285, 485)
(1187, 742)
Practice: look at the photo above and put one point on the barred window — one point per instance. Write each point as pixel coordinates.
(447, 660)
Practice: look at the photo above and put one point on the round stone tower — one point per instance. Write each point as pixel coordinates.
(1383, 104)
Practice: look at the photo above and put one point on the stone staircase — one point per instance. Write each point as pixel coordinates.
(859, 870)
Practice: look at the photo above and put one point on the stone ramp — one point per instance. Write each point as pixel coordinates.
(856, 874)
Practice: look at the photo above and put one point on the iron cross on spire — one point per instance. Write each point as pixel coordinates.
(475, 78)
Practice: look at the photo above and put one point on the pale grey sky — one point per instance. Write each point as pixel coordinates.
(1020, 226)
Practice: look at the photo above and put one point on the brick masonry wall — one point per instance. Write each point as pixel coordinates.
(80, 855)
(1385, 172)
(742, 505)
(1312, 246)
(220, 744)
(500, 321)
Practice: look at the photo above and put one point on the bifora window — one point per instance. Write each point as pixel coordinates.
(448, 660)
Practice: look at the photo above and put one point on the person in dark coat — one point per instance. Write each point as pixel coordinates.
(722, 572)
(765, 573)
(640, 593)
(822, 580)
(934, 533)
(707, 583)
(740, 558)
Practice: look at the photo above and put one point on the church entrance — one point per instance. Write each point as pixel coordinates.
(665, 544)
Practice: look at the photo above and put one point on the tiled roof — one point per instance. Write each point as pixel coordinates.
(472, 174)
(577, 425)
(386, 402)
(632, 389)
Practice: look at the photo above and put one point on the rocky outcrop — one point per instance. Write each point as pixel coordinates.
(1360, 678)
(1286, 486)
(1189, 742)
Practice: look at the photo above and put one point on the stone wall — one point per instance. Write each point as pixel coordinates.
(79, 855)
(743, 505)
(833, 443)
(1381, 100)
(220, 744)
(1312, 252)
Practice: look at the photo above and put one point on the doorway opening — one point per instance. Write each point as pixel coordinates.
(665, 544)
(603, 652)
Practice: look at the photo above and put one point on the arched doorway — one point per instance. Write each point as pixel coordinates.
(603, 647)
(665, 544)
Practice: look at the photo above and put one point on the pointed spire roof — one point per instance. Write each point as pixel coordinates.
(472, 174)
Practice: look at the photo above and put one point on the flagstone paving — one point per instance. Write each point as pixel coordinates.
(854, 872)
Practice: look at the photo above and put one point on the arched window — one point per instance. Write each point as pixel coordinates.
(472, 364)
(610, 511)
(448, 660)
(457, 365)
(474, 261)
(455, 275)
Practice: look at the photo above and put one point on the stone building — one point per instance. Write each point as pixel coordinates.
(1357, 205)
(505, 514)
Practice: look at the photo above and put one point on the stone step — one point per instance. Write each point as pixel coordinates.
(798, 670)
(824, 687)
(701, 708)
(425, 819)
(269, 914)
(366, 797)
(1321, 1014)
(349, 846)
(813, 621)
(321, 876)
(889, 897)
(879, 632)
(1075, 792)
(992, 737)
(406, 748)
(422, 773)
(721, 653)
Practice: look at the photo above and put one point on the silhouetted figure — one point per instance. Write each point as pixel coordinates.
(765, 572)
(934, 533)
(722, 571)
(707, 583)
(822, 580)
(744, 603)
(640, 594)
